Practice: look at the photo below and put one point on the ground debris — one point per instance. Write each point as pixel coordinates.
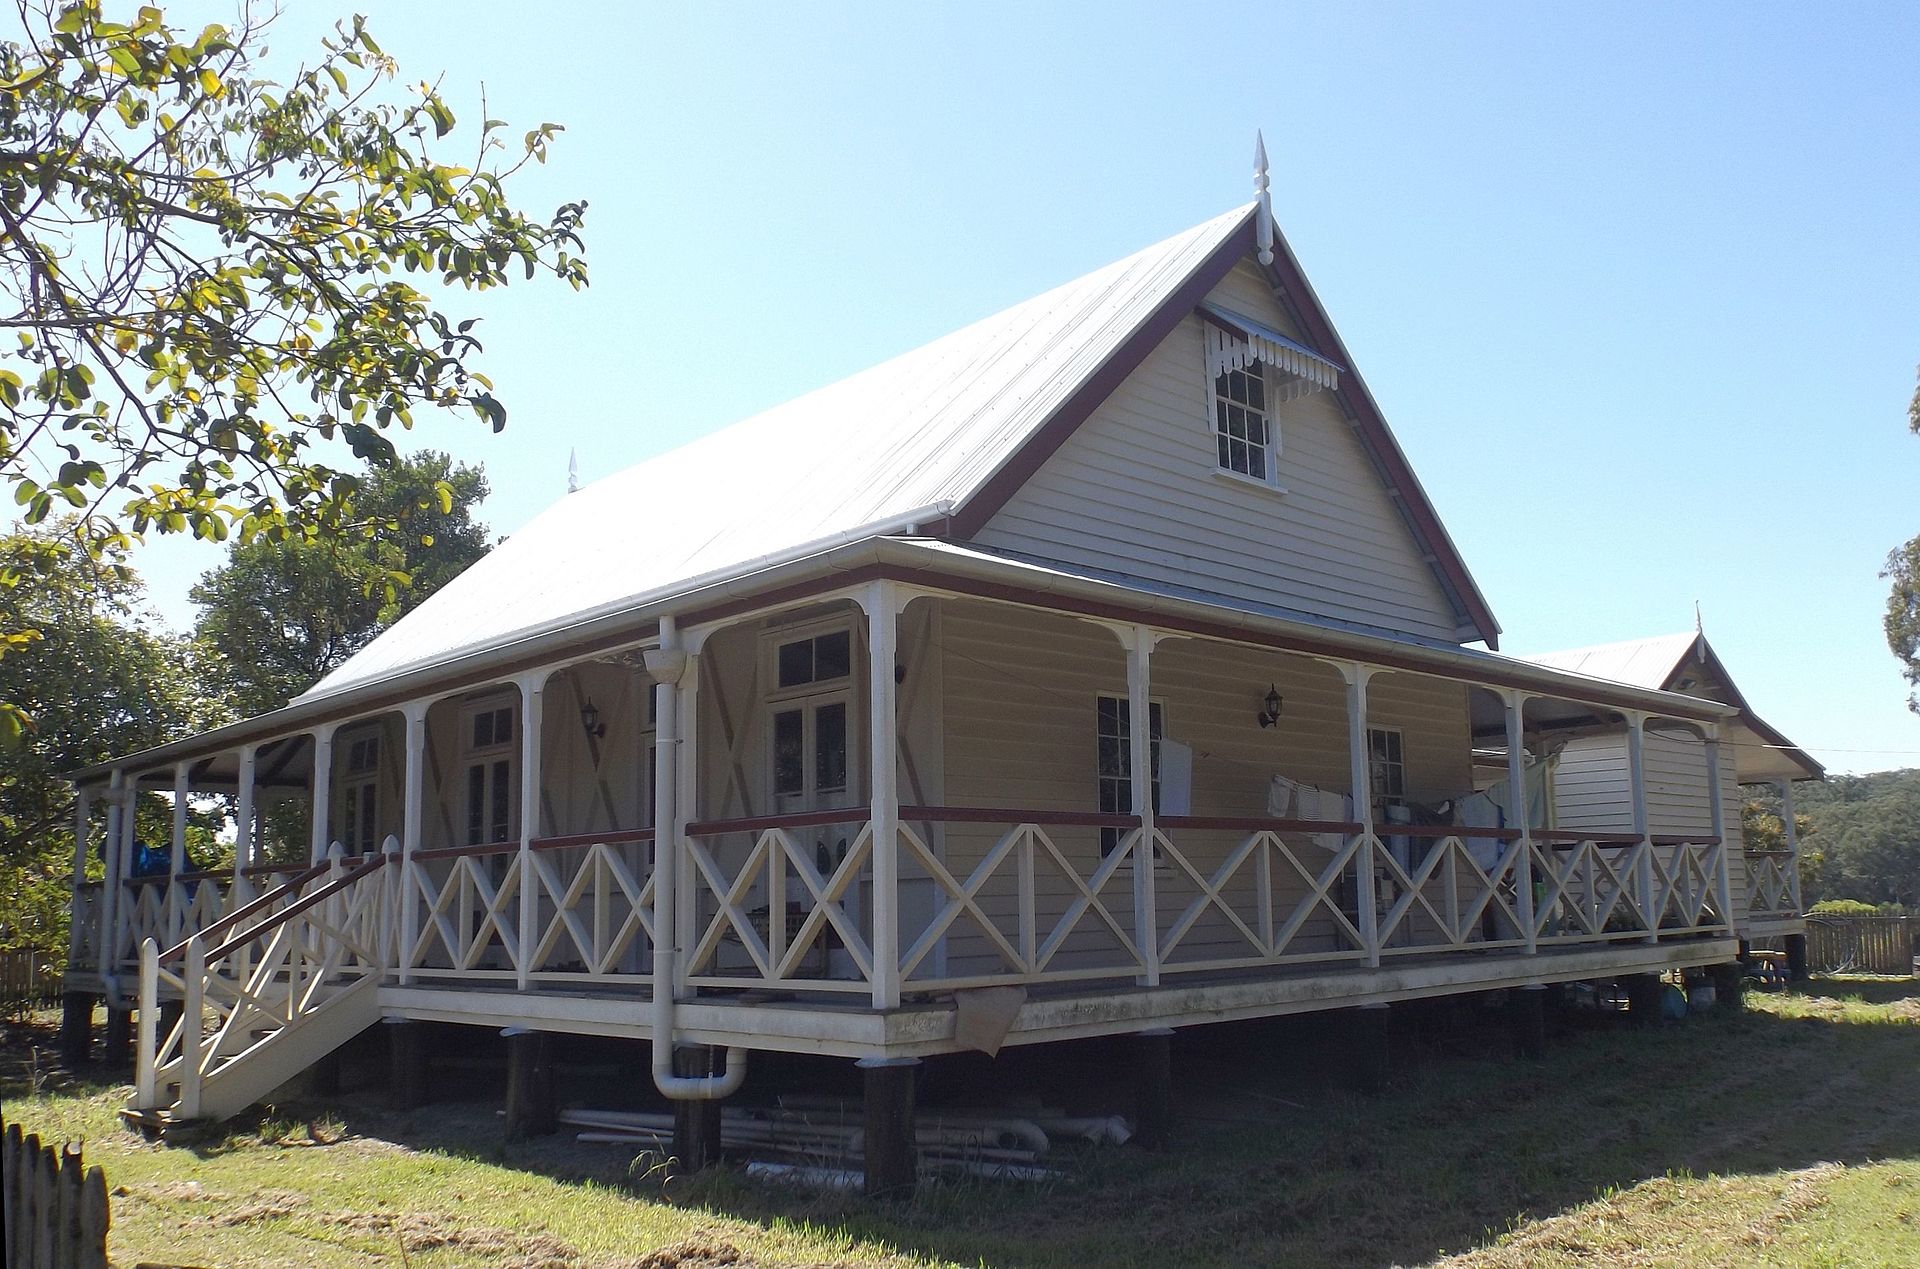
(700, 1251)
(266, 1206)
(430, 1231)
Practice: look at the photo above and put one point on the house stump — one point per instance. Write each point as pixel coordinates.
(76, 1028)
(530, 1108)
(696, 1124)
(406, 1063)
(1153, 1088)
(1527, 1016)
(893, 1155)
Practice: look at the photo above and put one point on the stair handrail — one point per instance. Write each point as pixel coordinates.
(332, 888)
(267, 899)
(193, 1040)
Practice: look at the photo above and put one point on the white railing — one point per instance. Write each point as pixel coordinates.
(257, 973)
(168, 908)
(1597, 889)
(1771, 888)
(591, 911)
(778, 901)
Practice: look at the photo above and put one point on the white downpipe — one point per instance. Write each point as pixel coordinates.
(668, 665)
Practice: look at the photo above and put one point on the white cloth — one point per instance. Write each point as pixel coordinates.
(1481, 811)
(1176, 778)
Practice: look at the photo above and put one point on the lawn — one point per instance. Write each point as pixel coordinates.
(1785, 1135)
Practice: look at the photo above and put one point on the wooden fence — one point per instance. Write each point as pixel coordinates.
(55, 1206)
(1875, 945)
(27, 978)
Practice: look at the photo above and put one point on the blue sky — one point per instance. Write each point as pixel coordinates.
(1638, 286)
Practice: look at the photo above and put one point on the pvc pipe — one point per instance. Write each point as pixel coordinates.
(668, 665)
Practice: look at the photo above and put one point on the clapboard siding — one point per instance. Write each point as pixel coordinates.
(1136, 490)
(1019, 703)
(1593, 791)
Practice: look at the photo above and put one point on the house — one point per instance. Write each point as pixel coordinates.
(1592, 787)
(833, 732)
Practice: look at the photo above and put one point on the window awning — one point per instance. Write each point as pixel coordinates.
(1235, 342)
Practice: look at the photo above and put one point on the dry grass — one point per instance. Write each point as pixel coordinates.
(1789, 1135)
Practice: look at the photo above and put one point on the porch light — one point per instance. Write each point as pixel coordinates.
(590, 721)
(1271, 714)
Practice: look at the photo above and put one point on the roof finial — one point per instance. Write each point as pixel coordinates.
(1699, 627)
(1263, 218)
(573, 471)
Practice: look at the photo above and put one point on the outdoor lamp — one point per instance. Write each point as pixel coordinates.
(590, 721)
(1271, 713)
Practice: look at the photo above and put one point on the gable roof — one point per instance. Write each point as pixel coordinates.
(1687, 663)
(933, 440)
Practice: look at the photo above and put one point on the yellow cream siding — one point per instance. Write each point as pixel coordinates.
(1137, 491)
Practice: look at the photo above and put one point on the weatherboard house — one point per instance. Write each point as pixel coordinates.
(1096, 670)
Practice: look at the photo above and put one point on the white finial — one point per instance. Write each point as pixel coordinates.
(573, 471)
(1699, 627)
(1263, 219)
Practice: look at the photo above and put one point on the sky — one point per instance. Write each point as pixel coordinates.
(1637, 286)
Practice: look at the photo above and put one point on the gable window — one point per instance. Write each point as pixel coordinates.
(489, 774)
(1113, 725)
(360, 834)
(1243, 429)
(1386, 756)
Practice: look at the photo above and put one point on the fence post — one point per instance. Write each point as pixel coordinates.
(147, 1046)
(191, 1024)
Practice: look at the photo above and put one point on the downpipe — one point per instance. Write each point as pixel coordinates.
(668, 665)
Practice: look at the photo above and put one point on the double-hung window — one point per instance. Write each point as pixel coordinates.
(1387, 763)
(809, 710)
(1114, 729)
(1243, 426)
(360, 833)
(489, 760)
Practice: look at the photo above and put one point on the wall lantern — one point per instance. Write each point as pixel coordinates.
(1270, 714)
(590, 721)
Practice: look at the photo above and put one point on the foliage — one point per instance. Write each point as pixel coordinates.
(1761, 828)
(213, 275)
(102, 681)
(1855, 908)
(1868, 828)
(278, 615)
(1903, 599)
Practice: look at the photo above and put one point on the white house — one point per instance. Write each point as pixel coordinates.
(815, 733)
(1592, 785)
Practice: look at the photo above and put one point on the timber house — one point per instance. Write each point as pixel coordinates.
(833, 733)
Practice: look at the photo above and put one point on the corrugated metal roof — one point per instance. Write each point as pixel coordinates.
(909, 439)
(1641, 662)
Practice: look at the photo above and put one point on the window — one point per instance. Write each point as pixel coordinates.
(1387, 763)
(1116, 760)
(820, 658)
(360, 833)
(1243, 430)
(490, 764)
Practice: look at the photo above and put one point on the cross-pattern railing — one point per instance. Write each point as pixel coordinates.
(1048, 898)
(589, 918)
(780, 901)
(1770, 883)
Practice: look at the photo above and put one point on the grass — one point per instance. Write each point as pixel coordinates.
(1786, 1135)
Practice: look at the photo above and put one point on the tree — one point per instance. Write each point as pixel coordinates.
(1763, 828)
(279, 615)
(103, 681)
(1869, 830)
(214, 274)
(1903, 604)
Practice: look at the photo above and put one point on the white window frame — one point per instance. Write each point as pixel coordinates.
(1110, 837)
(355, 785)
(1273, 447)
(486, 757)
(844, 689)
(1376, 765)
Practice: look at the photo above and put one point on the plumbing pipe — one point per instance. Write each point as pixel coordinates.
(668, 665)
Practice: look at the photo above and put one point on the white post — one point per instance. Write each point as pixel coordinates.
(82, 830)
(1791, 834)
(1717, 816)
(686, 802)
(245, 840)
(1360, 769)
(883, 790)
(110, 876)
(1637, 782)
(322, 786)
(412, 819)
(1516, 710)
(1146, 902)
(532, 710)
(176, 913)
